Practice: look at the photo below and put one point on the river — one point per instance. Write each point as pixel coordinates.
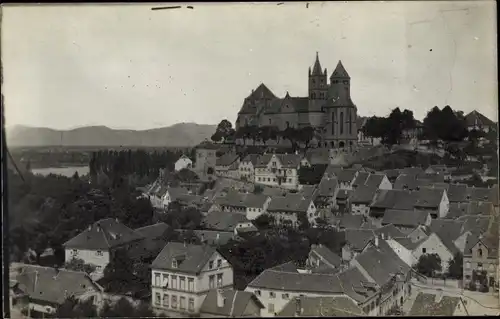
(64, 171)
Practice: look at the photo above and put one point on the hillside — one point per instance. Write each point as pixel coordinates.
(177, 135)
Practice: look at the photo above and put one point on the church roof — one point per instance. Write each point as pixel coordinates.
(475, 118)
(317, 66)
(261, 92)
(340, 72)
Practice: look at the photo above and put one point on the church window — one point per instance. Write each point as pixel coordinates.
(313, 95)
(270, 121)
(346, 82)
(313, 81)
(341, 123)
(321, 95)
(333, 123)
(287, 124)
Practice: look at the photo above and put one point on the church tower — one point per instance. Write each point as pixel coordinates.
(340, 83)
(318, 86)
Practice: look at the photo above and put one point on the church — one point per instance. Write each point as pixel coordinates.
(328, 108)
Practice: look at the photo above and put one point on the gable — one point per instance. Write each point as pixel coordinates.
(215, 256)
(433, 241)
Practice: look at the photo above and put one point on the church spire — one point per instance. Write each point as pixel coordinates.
(340, 72)
(317, 66)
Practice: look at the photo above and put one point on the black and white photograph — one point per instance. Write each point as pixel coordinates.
(239, 159)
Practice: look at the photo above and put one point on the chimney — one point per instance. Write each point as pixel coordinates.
(90, 227)
(298, 306)
(382, 235)
(376, 241)
(220, 299)
(116, 220)
(202, 237)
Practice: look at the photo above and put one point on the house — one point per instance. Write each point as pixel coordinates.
(435, 244)
(304, 306)
(322, 257)
(379, 181)
(183, 274)
(214, 237)
(226, 221)
(286, 210)
(342, 200)
(388, 231)
(477, 121)
(327, 192)
(406, 220)
(228, 303)
(410, 182)
(355, 241)
(360, 178)
(403, 247)
(183, 162)
(252, 205)
(154, 239)
(226, 163)
(97, 244)
(427, 305)
(348, 221)
(361, 199)
(278, 170)
(450, 231)
(392, 174)
(439, 170)
(391, 199)
(481, 261)
(47, 288)
(275, 288)
(346, 178)
(172, 194)
(247, 167)
(433, 200)
(418, 233)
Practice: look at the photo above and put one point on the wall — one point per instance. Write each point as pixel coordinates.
(434, 245)
(385, 184)
(247, 170)
(360, 209)
(89, 257)
(444, 206)
(183, 163)
(403, 253)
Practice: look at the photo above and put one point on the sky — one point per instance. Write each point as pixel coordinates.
(127, 66)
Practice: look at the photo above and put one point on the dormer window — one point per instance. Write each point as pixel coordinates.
(174, 263)
(211, 264)
(480, 252)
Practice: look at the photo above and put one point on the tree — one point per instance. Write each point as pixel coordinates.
(264, 221)
(118, 274)
(455, 266)
(223, 131)
(429, 264)
(258, 189)
(78, 264)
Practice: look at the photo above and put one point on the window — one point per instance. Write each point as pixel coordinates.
(272, 294)
(424, 250)
(257, 292)
(165, 300)
(467, 265)
(190, 284)
(480, 252)
(182, 283)
(157, 280)
(174, 263)
(211, 264)
(158, 298)
(191, 305)
(182, 304)
(173, 280)
(333, 123)
(219, 280)
(174, 302)
(480, 264)
(341, 123)
(219, 263)
(98, 268)
(165, 280)
(271, 308)
(285, 296)
(75, 252)
(211, 281)
(99, 253)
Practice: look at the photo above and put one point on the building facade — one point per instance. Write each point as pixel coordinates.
(328, 108)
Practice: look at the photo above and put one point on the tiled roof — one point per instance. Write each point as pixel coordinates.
(214, 237)
(374, 180)
(153, 231)
(361, 178)
(322, 307)
(447, 241)
(351, 221)
(54, 285)
(453, 229)
(457, 192)
(326, 254)
(346, 175)
(363, 194)
(404, 218)
(358, 238)
(415, 171)
(480, 208)
(356, 285)
(389, 231)
(238, 199)
(327, 186)
(190, 258)
(394, 199)
(428, 197)
(340, 71)
(235, 303)
(332, 170)
(176, 192)
(252, 158)
(223, 221)
(475, 223)
(287, 267)
(292, 281)
(103, 235)
(457, 210)
(261, 92)
(408, 243)
(426, 305)
(226, 159)
(289, 203)
(481, 194)
(475, 118)
(318, 156)
(343, 194)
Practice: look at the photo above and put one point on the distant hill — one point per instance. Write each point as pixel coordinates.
(177, 135)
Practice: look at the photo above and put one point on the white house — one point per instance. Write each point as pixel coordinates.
(278, 170)
(433, 200)
(434, 245)
(252, 205)
(183, 274)
(171, 194)
(96, 244)
(361, 199)
(183, 162)
(404, 252)
(286, 210)
(380, 181)
(247, 167)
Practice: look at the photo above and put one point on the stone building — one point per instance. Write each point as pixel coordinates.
(328, 108)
